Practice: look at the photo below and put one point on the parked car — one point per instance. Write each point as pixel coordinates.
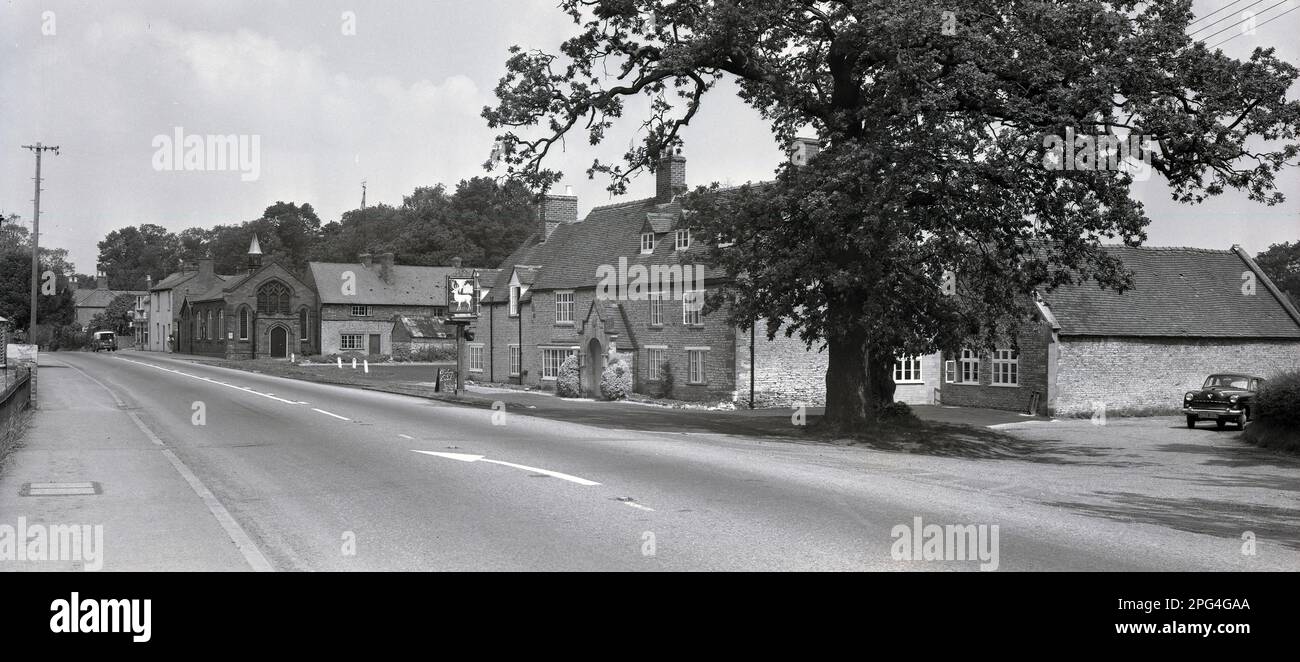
(1223, 398)
(105, 340)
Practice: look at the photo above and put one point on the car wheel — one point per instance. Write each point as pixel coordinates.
(1219, 423)
(1241, 420)
(1191, 422)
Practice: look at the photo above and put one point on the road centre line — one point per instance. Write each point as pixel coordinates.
(463, 457)
(322, 411)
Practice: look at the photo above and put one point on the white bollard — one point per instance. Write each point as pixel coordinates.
(291, 358)
(367, 362)
(340, 358)
(354, 363)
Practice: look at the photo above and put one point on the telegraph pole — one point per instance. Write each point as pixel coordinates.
(36, 234)
(363, 194)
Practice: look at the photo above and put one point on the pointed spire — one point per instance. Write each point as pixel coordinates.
(254, 248)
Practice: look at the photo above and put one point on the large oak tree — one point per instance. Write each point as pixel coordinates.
(936, 120)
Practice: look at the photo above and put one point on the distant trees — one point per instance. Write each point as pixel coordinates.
(1281, 262)
(16, 278)
(116, 316)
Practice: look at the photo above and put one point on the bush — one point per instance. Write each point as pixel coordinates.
(1276, 419)
(566, 381)
(616, 381)
(666, 380)
(426, 353)
(897, 412)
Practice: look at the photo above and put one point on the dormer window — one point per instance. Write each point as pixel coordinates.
(514, 301)
(683, 239)
(647, 243)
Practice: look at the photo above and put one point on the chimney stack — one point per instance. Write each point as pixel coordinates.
(101, 280)
(366, 260)
(670, 176)
(802, 150)
(205, 266)
(386, 267)
(556, 209)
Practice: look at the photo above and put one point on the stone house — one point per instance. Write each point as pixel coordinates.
(165, 299)
(628, 278)
(1191, 312)
(87, 303)
(357, 302)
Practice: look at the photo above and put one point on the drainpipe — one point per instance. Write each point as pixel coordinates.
(492, 359)
(751, 367)
(520, 310)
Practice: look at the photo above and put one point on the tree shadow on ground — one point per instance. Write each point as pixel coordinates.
(1223, 519)
(1234, 453)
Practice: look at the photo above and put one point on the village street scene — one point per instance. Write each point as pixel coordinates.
(650, 286)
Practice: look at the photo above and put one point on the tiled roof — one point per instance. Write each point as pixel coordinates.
(426, 327)
(1178, 292)
(172, 280)
(573, 254)
(410, 286)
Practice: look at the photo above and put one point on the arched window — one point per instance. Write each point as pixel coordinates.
(302, 324)
(273, 298)
(203, 325)
(243, 323)
(221, 325)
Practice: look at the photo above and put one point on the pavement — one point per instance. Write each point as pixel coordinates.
(203, 467)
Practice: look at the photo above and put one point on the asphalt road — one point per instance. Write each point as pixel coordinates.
(284, 475)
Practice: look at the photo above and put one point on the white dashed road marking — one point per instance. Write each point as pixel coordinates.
(463, 457)
(322, 411)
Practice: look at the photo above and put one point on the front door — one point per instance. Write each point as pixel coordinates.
(279, 342)
(374, 343)
(595, 367)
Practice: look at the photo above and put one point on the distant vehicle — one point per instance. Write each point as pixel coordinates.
(105, 340)
(1223, 399)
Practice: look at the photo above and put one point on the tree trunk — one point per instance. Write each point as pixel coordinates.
(858, 384)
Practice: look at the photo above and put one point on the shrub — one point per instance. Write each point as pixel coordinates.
(1276, 419)
(566, 380)
(897, 412)
(666, 380)
(616, 381)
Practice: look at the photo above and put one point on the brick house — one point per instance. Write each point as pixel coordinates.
(553, 297)
(359, 301)
(87, 303)
(264, 312)
(1191, 312)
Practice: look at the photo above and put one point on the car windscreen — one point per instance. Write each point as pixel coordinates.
(1227, 381)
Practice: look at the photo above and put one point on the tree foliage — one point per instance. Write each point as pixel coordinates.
(1281, 263)
(936, 120)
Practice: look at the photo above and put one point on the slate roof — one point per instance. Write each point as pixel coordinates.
(571, 257)
(410, 286)
(1178, 292)
(172, 280)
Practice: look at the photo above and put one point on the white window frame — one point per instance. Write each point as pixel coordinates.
(365, 310)
(647, 243)
(474, 356)
(681, 240)
(656, 356)
(562, 352)
(516, 361)
(656, 309)
(907, 370)
(564, 302)
(343, 342)
(692, 354)
(514, 301)
(691, 317)
(968, 366)
(1006, 368)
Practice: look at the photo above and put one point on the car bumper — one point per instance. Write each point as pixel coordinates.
(1212, 413)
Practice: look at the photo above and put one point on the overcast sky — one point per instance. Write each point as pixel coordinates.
(396, 104)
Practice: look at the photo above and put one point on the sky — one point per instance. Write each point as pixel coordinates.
(388, 92)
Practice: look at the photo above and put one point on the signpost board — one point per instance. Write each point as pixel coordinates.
(462, 297)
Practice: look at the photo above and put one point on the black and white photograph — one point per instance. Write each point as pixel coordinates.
(884, 288)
